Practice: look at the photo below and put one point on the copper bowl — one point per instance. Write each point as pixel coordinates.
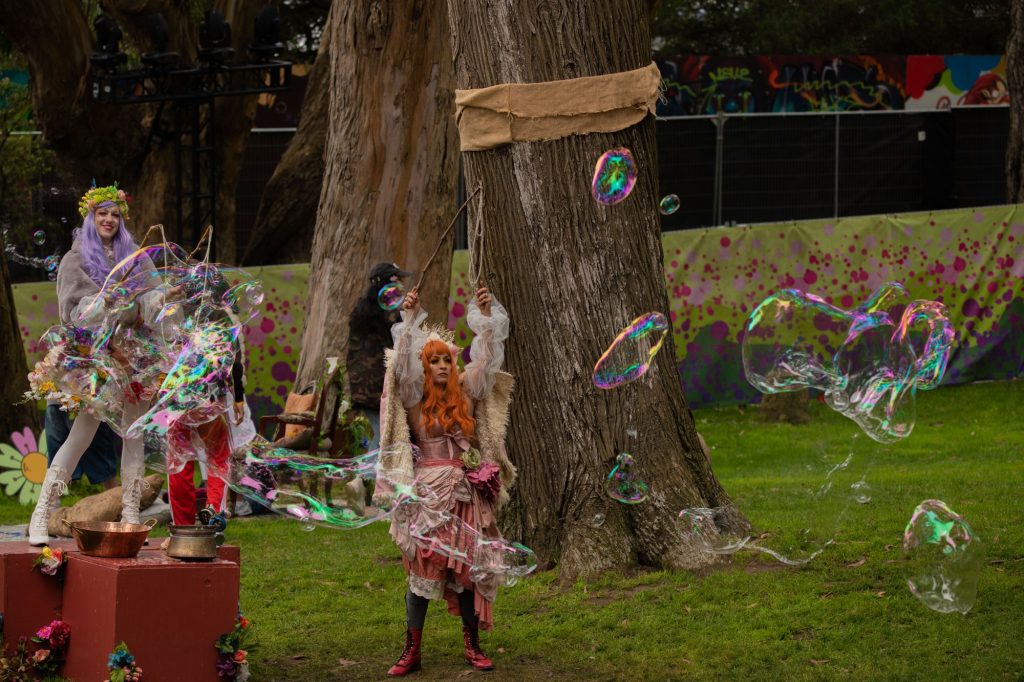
(108, 539)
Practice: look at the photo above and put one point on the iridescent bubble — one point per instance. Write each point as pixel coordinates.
(944, 556)
(623, 483)
(52, 276)
(868, 362)
(38, 237)
(390, 296)
(597, 521)
(614, 176)
(54, 191)
(669, 204)
(51, 263)
(631, 353)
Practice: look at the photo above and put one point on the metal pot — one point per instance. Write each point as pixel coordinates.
(109, 539)
(197, 543)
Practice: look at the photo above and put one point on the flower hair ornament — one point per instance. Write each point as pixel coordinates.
(99, 195)
(441, 333)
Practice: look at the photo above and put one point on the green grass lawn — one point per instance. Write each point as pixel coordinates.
(329, 604)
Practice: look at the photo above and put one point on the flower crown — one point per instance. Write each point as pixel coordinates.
(442, 333)
(99, 195)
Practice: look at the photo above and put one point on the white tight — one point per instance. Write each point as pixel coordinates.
(84, 428)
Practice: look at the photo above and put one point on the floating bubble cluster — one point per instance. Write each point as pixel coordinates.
(614, 176)
(869, 362)
(42, 263)
(631, 353)
(669, 204)
(624, 483)
(313, 490)
(157, 343)
(945, 558)
(38, 237)
(390, 296)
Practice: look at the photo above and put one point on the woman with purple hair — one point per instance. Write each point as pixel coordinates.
(100, 244)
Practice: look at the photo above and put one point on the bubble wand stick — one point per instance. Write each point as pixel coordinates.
(445, 235)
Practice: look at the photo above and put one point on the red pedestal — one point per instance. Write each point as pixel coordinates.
(168, 612)
(28, 599)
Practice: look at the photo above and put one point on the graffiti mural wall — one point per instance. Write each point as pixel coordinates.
(972, 260)
(706, 85)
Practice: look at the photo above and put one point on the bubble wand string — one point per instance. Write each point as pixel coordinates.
(445, 235)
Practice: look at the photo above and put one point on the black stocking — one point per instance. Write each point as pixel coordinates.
(466, 598)
(415, 610)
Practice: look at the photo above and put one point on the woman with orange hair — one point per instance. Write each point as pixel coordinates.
(456, 421)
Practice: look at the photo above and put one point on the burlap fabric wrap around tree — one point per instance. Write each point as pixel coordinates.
(522, 112)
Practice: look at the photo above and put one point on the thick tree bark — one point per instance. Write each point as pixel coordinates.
(572, 274)
(1015, 82)
(286, 218)
(13, 368)
(112, 142)
(389, 183)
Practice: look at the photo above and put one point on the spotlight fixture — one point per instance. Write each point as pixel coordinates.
(108, 44)
(158, 31)
(215, 39)
(266, 35)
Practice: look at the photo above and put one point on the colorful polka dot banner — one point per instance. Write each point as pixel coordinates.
(972, 261)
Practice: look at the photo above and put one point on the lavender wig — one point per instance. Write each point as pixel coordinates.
(94, 258)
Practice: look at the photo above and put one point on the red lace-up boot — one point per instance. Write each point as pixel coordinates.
(409, 661)
(474, 654)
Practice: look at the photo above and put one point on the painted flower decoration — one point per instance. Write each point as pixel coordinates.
(24, 464)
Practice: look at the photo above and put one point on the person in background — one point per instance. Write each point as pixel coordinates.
(369, 333)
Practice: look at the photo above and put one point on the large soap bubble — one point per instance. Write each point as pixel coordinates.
(632, 352)
(945, 557)
(390, 296)
(869, 361)
(614, 176)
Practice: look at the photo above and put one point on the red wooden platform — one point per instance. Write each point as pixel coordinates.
(168, 612)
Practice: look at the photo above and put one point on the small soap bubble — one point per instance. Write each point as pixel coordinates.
(309, 527)
(597, 521)
(52, 276)
(39, 237)
(945, 558)
(51, 263)
(669, 204)
(390, 296)
(861, 491)
(54, 191)
(623, 483)
(614, 176)
(64, 220)
(631, 353)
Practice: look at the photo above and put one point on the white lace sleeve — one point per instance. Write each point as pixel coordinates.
(409, 339)
(487, 353)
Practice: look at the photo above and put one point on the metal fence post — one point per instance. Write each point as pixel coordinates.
(719, 121)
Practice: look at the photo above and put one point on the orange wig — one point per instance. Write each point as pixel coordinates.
(445, 406)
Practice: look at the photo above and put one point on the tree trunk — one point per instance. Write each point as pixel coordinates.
(286, 218)
(573, 273)
(1015, 82)
(389, 183)
(111, 142)
(14, 369)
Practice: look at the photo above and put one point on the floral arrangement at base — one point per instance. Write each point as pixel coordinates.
(52, 643)
(51, 562)
(18, 666)
(234, 664)
(122, 665)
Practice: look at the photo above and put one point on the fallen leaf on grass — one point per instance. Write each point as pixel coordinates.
(859, 562)
(750, 606)
(298, 657)
(501, 650)
(687, 607)
(687, 661)
(466, 672)
(815, 661)
(880, 593)
(827, 595)
(996, 561)
(889, 547)
(345, 663)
